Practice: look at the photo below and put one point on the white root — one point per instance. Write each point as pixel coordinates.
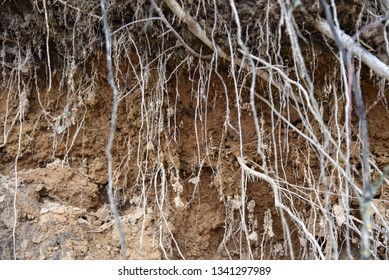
(348, 43)
(278, 204)
(195, 28)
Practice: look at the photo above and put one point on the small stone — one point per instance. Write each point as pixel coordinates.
(30, 217)
(39, 187)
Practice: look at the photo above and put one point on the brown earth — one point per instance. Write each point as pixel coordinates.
(178, 183)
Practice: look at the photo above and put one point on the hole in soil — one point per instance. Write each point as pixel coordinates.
(103, 196)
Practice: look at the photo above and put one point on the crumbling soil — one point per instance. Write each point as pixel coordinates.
(178, 183)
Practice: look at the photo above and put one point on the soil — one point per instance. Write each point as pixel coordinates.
(178, 183)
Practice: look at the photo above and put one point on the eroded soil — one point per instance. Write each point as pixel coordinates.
(182, 127)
